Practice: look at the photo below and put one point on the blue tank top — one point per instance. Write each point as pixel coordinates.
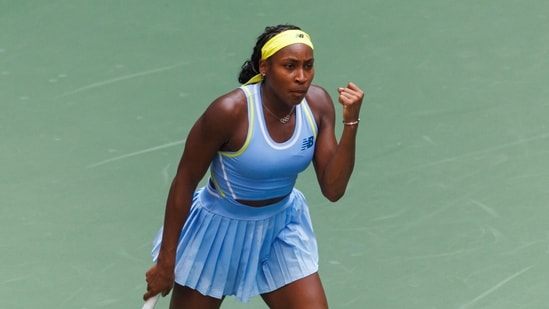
(262, 168)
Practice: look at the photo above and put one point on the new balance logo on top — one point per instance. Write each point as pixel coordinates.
(307, 143)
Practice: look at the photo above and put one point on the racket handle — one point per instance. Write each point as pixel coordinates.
(151, 302)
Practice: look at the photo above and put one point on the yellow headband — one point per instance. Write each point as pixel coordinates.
(278, 42)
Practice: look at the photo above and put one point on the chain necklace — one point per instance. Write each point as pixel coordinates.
(282, 120)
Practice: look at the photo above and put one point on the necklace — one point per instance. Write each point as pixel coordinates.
(282, 120)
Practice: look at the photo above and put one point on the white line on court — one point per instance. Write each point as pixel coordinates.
(495, 287)
(519, 142)
(121, 78)
(133, 154)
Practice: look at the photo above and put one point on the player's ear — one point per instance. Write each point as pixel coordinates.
(262, 67)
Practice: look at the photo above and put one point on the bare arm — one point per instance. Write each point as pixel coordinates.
(211, 132)
(334, 161)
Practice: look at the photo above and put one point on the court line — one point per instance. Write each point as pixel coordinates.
(476, 153)
(15, 279)
(136, 153)
(121, 78)
(429, 256)
(495, 287)
(491, 211)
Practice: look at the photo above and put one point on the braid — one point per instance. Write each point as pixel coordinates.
(251, 67)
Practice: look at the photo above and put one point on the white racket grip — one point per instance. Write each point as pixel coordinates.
(151, 302)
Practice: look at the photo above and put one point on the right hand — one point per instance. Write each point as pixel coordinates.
(159, 280)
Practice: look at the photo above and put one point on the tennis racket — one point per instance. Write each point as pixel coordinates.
(151, 302)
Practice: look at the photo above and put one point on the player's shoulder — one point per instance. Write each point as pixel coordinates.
(319, 99)
(320, 102)
(232, 98)
(230, 104)
(317, 94)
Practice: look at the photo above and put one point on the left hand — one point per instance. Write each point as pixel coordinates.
(350, 98)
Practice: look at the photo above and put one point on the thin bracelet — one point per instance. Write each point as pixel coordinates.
(351, 123)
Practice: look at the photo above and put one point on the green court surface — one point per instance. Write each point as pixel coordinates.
(448, 206)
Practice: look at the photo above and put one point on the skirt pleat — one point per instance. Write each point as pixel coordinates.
(256, 251)
(235, 255)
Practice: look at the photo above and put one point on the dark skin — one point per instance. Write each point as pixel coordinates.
(223, 126)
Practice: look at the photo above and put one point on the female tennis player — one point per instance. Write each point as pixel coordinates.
(248, 231)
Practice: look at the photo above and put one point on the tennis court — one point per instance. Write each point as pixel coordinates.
(447, 208)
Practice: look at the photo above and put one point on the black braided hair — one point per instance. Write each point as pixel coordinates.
(250, 68)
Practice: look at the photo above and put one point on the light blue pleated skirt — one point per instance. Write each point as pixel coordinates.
(227, 248)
